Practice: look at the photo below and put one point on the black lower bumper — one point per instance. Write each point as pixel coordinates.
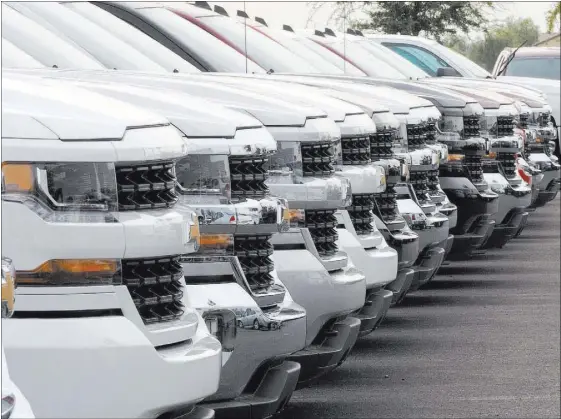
(512, 226)
(401, 285)
(429, 262)
(376, 306)
(467, 244)
(267, 394)
(328, 351)
(549, 194)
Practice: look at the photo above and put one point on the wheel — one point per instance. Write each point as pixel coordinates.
(255, 325)
(240, 324)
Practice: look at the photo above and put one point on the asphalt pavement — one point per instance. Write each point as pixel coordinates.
(481, 340)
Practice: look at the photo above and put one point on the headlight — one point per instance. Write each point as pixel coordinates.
(285, 163)
(222, 244)
(8, 288)
(488, 126)
(297, 217)
(8, 404)
(456, 157)
(204, 176)
(58, 192)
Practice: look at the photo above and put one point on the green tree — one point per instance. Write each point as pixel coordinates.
(485, 51)
(433, 19)
(552, 16)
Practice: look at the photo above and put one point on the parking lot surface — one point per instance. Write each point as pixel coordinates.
(481, 340)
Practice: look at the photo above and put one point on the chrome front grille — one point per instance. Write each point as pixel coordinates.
(416, 136)
(381, 144)
(544, 119)
(322, 225)
(505, 126)
(248, 176)
(471, 126)
(432, 180)
(155, 287)
(431, 133)
(360, 212)
(508, 162)
(318, 159)
(419, 181)
(386, 204)
(356, 151)
(524, 120)
(254, 254)
(146, 186)
(475, 167)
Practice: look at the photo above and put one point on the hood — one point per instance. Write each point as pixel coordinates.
(530, 83)
(268, 110)
(486, 98)
(194, 117)
(397, 101)
(35, 108)
(295, 93)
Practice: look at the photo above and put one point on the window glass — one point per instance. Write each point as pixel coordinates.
(267, 53)
(467, 67)
(539, 67)
(109, 50)
(221, 56)
(333, 58)
(49, 49)
(132, 36)
(422, 58)
(395, 60)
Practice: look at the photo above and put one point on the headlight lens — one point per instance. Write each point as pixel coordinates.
(415, 221)
(222, 244)
(8, 404)
(73, 192)
(455, 157)
(72, 272)
(488, 126)
(207, 176)
(297, 217)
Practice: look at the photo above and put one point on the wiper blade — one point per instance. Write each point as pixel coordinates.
(510, 58)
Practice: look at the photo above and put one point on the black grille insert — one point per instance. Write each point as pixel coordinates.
(381, 144)
(508, 162)
(431, 133)
(419, 181)
(318, 159)
(416, 136)
(248, 176)
(386, 204)
(322, 225)
(155, 287)
(146, 186)
(356, 151)
(475, 167)
(432, 180)
(524, 120)
(360, 212)
(471, 126)
(544, 119)
(505, 126)
(254, 253)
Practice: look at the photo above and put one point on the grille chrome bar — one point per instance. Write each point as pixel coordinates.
(318, 159)
(248, 176)
(471, 126)
(155, 287)
(322, 225)
(146, 186)
(356, 151)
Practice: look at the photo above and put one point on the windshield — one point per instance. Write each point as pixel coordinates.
(538, 67)
(393, 59)
(133, 37)
(464, 63)
(264, 51)
(43, 45)
(331, 57)
(219, 55)
(324, 66)
(13, 57)
(109, 50)
(373, 66)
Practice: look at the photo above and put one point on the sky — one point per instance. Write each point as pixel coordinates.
(297, 13)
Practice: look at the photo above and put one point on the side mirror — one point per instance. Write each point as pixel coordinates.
(447, 72)
(8, 287)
